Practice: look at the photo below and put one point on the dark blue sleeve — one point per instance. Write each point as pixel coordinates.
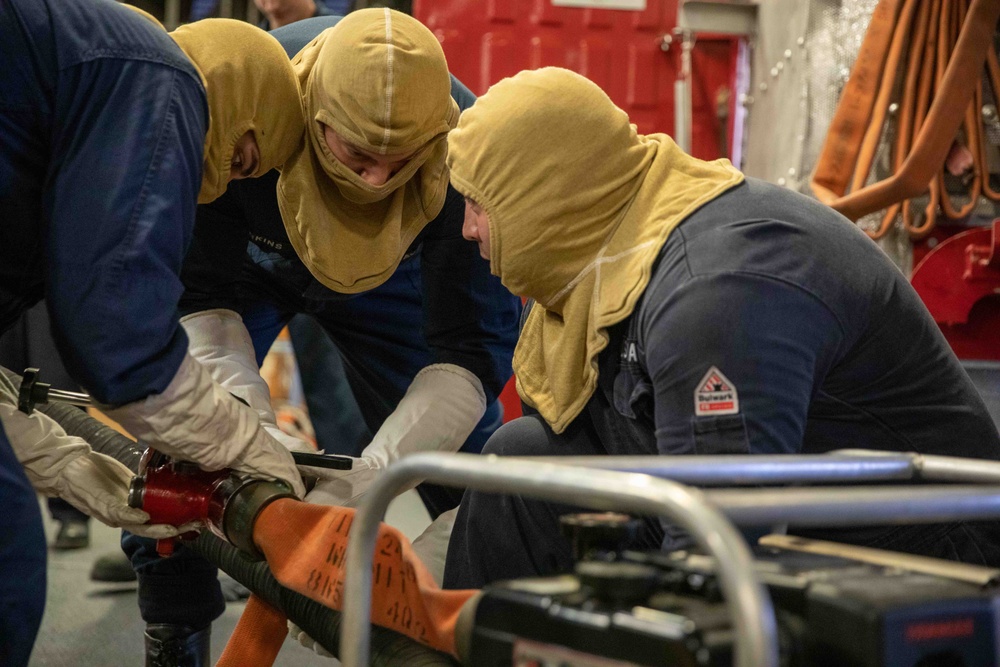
(770, 342)
(296, 35)
(124, 177)
(214, 262)
(462, 95)
(470, 319)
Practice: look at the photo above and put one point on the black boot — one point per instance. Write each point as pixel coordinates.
(169, 645)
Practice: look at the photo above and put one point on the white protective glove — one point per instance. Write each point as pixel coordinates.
(432, 544)
(299, 635)
(440, 409)
(58, 464)
(431, 547)
(197, 420)
(220, 342)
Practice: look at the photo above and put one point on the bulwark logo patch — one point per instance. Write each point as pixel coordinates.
(716, 395)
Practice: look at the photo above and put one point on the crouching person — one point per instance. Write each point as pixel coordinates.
(681, 308)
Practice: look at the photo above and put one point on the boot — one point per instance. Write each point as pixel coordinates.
(169, 645)
(113, 568)
(72, 534)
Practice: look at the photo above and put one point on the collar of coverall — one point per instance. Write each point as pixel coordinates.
(579, 206)
(250, 85)
(379, 79)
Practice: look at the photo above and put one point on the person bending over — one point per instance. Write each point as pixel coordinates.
(361, 231)
(107, 141)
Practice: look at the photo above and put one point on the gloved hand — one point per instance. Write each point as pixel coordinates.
(197, 420)
(432, 544)
(218, 340)
(299, 635)
(58, 464)
(440, 409)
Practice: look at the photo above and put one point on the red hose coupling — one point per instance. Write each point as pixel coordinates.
(179, 492)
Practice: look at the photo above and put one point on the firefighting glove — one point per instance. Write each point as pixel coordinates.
(58, 464)
(197, 420)
(220, 342)
(440, 409)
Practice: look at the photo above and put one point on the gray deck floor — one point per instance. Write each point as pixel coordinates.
(87, 624)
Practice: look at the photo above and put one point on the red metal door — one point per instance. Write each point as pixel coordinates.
(620, 50)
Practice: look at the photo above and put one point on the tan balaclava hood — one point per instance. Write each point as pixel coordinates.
(579, 206)
(250, 86)
(380, 81)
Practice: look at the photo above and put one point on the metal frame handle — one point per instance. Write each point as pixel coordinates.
(631, 484)
(748, 602)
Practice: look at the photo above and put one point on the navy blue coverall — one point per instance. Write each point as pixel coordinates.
(102, 121)
(441, 305)
(771, 325)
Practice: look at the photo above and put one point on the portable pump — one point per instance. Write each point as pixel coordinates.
(624, 608)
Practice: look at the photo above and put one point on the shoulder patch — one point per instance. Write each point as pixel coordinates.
(716, 395)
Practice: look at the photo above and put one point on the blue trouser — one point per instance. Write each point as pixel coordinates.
(22, 561)
(381, 346)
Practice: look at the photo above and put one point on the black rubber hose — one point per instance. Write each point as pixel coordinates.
(321, 623)
(77, 422)
(388, 648)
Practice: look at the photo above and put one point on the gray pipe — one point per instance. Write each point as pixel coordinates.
(857, 506)
(753, 470)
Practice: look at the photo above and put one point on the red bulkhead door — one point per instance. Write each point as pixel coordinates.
(623, 51)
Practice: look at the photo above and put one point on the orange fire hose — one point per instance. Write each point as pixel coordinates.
(305, 546)
(946, 43)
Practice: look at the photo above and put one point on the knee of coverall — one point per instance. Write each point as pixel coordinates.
(491, 420)
(22, 561)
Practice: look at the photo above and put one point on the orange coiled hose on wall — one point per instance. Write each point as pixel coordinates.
(926, 57)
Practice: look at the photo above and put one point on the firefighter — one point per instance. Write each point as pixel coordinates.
(107, 141)
(681, 308)
(362, 232)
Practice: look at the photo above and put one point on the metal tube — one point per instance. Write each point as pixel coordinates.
(751, 470)
(934, 468)
(954, 469)
(171, 14)
(857, 506)
(753, 615)
(70, 397)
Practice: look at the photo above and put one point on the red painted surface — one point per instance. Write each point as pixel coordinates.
(959, 282)
(487, 40)
(176, 494)
(511, 402)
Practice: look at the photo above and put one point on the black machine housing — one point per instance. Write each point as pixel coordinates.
(632, 608)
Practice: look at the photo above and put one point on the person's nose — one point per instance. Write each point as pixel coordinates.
(470, 231)
(376, 174)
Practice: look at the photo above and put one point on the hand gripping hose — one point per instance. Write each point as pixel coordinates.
(262, 630)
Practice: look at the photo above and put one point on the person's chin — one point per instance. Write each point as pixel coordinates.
(483, 254)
